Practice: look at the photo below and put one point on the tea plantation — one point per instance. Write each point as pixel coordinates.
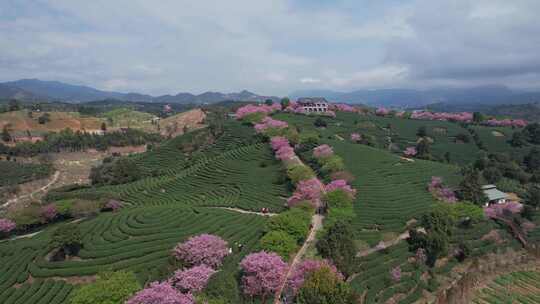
(516, 287)
(12, 173)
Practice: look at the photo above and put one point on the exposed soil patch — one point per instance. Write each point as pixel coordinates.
(497, 134)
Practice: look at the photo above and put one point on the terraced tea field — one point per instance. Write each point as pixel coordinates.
(139, 239)
(391, 191)
(516, 287)
(12, 173)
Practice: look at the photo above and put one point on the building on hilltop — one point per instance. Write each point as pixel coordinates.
(313, 104)
(494, 195)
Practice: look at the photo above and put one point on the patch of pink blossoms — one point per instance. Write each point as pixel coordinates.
(437, 189)
(6, 225)
(410, 152)
(323, 151)
(356, 137)
(193, 279)
(382, 111)
(520, 123)
(269, 123)
(310, 189)
(160, 293)
(204, 249)
(341, 184)
(263, 273)
(442, 116)
(501, 210)
(49, 212)
(301, 272)
(250, 109)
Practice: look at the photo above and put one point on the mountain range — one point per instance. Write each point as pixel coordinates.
(39, 90)
(411, 98)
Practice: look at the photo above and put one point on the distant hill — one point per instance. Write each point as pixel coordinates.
(35, 89)
(528, 111)
(410, 98)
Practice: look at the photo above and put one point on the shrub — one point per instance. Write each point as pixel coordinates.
(280, 242)
(337, 199)
(67, 238)
(304, 269)
(299, 172)
(333, 164)
(324, 286)
(110, 287)
(294, 222)
(81, 208)
(120, 171)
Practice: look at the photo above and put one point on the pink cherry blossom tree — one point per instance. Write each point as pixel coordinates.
(278, 142)
(263, 273)
(382, 111)
(440, 192)
(410, 152)
(356, 137)
(323, 151)
(204, 249)
(160, 293)
(269, 123)
(114, 205)
(49, 212)
(6, 225)
(395, 274)
(193, 279)
(310, 189)
(341, 184)
(301, 272)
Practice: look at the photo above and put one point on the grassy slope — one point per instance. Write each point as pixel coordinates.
(20, 122)
(125, 117)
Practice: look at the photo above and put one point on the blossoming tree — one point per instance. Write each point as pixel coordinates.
(161, 293)
(263, 274)
(193, 279)
(204, 249)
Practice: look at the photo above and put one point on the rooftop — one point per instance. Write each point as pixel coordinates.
(493, 193)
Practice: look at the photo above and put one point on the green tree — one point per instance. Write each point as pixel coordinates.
(337, 244)
(299, 172)
(478, 117)
(114, 172)
(67, 238)
(533, 196)
(268, 102)
(423, 149)
(285, 102)
(14, 105)
(109, 288)
(447, 156)
(421, 132)
(470, 188)
(323, 286)
(294, 222)
(518, 139)
(492, 174)
(319, 123)
(279, 242)
(6, 137)
(532, 160)
(103, 127)
(337, 199)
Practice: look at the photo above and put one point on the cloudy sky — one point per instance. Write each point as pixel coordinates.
(271, 46)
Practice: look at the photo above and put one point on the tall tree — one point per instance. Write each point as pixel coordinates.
(338, 245)
(470, 188)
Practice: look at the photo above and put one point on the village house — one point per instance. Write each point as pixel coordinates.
(313, 104)
(494, 195)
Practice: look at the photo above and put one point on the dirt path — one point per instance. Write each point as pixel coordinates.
(245, 211)
(387, 244)
(31, 195)
(316, 222)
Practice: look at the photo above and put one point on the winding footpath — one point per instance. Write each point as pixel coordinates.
(316, 222)
(31, 195)
(245, 211)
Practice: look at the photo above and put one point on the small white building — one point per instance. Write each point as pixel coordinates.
(494, 195)
(313, 104)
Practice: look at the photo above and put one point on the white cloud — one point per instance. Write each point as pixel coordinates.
(269, 46)
(309, 80)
